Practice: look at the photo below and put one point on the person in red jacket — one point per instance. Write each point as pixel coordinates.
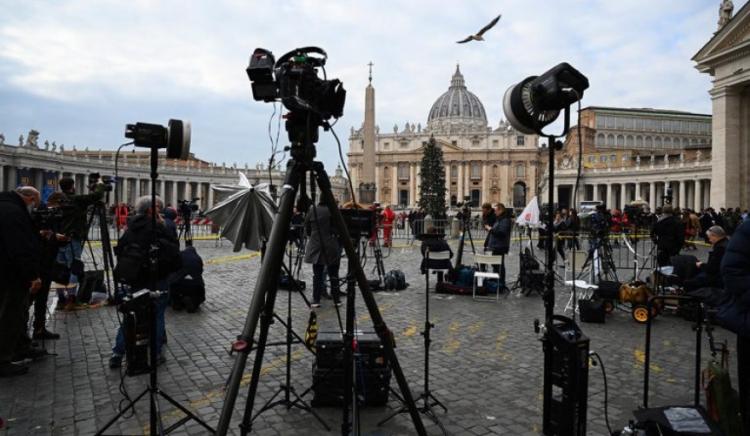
(121, 215)
(388, 218)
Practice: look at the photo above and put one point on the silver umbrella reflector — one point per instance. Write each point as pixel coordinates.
(246, 216)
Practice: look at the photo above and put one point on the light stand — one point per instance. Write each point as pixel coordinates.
(530, 106)
(156, 427)
(429, 399)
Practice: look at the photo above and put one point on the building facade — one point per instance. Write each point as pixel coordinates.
(482, 163)
(726, 57)
(636, 154)
(28, 163)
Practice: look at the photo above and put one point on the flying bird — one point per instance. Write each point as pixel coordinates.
(478, 36)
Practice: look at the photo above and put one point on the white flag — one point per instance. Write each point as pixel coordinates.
(530, 215)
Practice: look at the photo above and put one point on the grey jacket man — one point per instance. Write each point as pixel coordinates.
(322, 243)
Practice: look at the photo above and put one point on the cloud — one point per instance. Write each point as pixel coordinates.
(63, 63)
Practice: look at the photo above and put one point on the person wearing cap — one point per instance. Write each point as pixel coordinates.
(708, 272)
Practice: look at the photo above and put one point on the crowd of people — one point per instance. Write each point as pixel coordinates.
(42, 244)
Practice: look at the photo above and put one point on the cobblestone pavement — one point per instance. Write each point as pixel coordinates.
(486, 361)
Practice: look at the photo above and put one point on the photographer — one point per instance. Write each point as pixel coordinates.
(75, 225)
(669, 235)
(186, 287)
(323, 252)
(133, 253)
(500, 237)
(19, 267)
(51, 243)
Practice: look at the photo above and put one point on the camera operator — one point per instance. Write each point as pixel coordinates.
(669, 235)
(323, 252)
(600, 223)
(74, 224)
(19, 268)
(186, 287)
(500, 237)
(51, 242)
(170, 215)
(560, 225)
(297, 226)
(133, 248)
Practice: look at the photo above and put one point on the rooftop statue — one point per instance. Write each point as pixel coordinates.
(725, 12)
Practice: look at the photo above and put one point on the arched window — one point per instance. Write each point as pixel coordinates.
(629, 142)
(601, 139)
(657, 142)
(667, 142)
(454, 171)
(639, 141)
(519, 195)
(520, 171)
(620, 140)
(649, 142)
(611, 140)
(494, 170)
(476, 170)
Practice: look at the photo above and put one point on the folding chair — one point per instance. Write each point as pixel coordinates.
(436, 261)
(489, 261)
(578, 258)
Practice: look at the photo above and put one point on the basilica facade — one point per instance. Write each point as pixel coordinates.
(482, 163)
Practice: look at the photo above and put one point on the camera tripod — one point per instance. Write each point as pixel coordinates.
(302, 128)
(377, 254)
(601, 252)
(99, 211)
(185, 232)
(156, 427)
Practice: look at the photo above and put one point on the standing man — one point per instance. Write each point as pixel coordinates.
(19, 268)
(669, 234)
(735, 271)
(488, 219)
(500, 237)
(74, 225)
(323, 252)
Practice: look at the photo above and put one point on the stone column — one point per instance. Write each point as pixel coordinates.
(485, 193)
(418, 178)
(460, 191)
(162, 191)
(210, 202)
(188, 191)
(683, 195)
(728, 168)
(447, 183)
(698, 187)
(595, 192)
(39, 179)
(378, 183)
(2, 179)
(394, 185)
(623, 195)
(637, 192)
(609, 196)
(652, 196)
(12, 178)
(124, 197)
(467, 179)
(413, 184)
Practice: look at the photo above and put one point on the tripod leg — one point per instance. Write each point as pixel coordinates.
(385, 335)
(267, 280)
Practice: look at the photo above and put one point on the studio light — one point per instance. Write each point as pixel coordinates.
(536, 101)
(175, 137)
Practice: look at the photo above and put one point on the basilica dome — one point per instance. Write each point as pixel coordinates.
(457, 108)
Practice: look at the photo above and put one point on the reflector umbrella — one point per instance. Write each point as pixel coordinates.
(246, 216)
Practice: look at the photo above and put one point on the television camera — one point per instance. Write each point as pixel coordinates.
(294, 80)
(187, 207)
(48, 218)
(637, 215)
(464, 209)
(95, 178)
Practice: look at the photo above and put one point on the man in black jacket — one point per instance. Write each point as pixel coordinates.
(74, 225)
(735, 271)
(669, 235)
(500, 237)
(708, 274)
(19, 268)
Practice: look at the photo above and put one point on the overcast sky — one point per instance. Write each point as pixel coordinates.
(78, 71)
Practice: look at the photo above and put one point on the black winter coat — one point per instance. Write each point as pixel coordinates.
(20, 250)
(735, 266)
(669, 233)
(499, 241)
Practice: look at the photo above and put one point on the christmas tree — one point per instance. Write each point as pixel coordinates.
(432, 187)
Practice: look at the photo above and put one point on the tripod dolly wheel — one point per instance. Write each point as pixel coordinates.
(640, 313)
(609, 306)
